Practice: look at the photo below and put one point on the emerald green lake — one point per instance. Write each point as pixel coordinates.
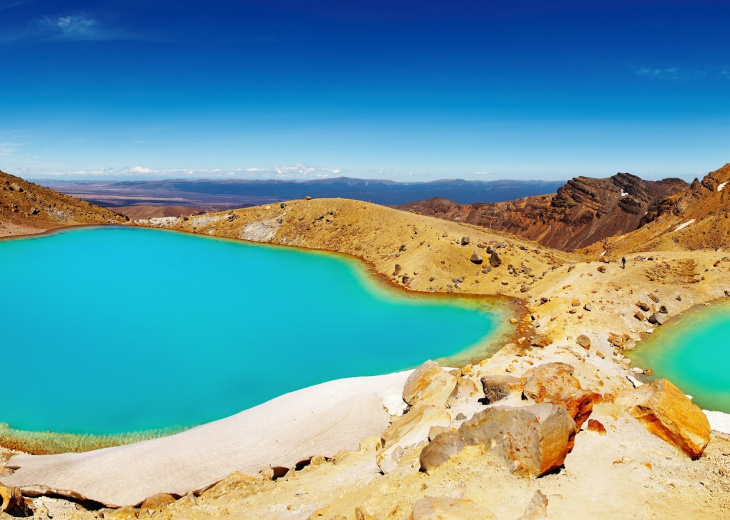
(693, 351)
(119, 330)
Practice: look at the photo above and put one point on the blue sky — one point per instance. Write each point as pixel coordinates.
(400, 89)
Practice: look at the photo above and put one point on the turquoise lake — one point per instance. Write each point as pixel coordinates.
(120, 330)
(693, 352)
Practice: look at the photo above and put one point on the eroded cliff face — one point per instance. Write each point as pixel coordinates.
(697, 217)
(27, 208)
(582, 212)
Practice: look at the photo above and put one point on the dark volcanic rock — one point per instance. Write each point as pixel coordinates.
(582, 212)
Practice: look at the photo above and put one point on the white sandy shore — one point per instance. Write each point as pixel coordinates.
(319, 420)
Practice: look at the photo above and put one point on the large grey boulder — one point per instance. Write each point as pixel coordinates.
(440, 449)
(429, 383)
(554, 383)
(531, 440)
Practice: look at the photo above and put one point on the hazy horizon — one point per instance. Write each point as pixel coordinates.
(407, 91)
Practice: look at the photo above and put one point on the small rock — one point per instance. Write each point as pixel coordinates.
(639, 316)
(34, 211)
(476, 258)
(12, 501)
(319, 217)
(643, 306)
(465, 241)
(307, 198)
(654, 297)
(465, 391)
(663, 309)
(637, 370)
(541, 341)
(513, 321)
(282, 205)
(498, 387)
(588, 307)
(486, 269)
(596, 426)
(537, 508)
(584, 341)
(494, 260)
(601, 268)
(157, 501)
(575, 303)
(656, 319)
(405, 279)
(402, 247)
(616, 340)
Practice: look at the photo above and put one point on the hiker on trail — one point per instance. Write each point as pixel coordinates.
(623, 263)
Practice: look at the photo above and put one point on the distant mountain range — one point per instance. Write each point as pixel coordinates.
(210, 194)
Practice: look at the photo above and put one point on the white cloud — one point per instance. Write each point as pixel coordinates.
(140, 169)
(668, 73)
(483, 173)
(291, 172)
(303, 171)
(78, 26)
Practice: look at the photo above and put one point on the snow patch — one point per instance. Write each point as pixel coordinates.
(720, 422)
(623, 193)
(721, 186)
(682, 226)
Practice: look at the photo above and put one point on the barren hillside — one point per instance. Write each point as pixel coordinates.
(26, 208)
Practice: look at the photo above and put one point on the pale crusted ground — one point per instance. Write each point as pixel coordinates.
(627, 473)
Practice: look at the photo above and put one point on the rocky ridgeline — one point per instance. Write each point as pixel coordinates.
(582, 212)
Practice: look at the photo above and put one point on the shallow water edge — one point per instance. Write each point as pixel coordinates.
(505, 307)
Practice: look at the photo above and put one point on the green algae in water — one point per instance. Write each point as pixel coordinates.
(693, 352)
(119, 330)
